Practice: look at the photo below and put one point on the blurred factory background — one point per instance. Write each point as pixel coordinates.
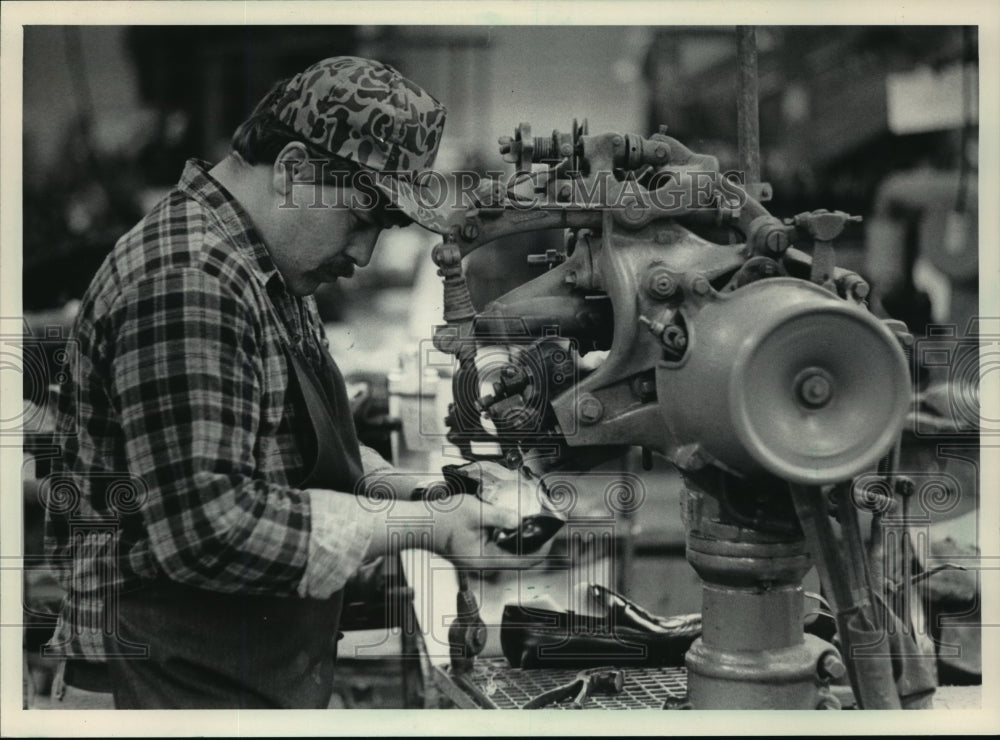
(869, 120)
(111, 113)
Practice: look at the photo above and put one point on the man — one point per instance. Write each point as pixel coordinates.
(212, 522)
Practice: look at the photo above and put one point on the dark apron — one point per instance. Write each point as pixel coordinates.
(210, 650)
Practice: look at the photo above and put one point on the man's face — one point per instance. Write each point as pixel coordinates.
(321, 232)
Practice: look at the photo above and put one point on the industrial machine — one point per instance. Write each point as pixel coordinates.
(728, 341)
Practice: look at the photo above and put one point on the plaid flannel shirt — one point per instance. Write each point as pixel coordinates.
(180, 452)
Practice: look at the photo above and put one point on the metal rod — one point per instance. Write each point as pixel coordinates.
(871, 678)
(748, 118)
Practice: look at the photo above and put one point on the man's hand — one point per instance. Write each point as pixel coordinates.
(462, 527)
(523, 492)
(501, 486)
(464, 533)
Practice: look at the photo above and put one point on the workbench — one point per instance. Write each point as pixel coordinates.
(493, 684)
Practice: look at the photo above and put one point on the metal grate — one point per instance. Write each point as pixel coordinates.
(494, 684)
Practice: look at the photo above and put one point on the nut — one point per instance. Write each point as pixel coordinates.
(814, 387)
(660, 284)
(816, 390)
(700, 286)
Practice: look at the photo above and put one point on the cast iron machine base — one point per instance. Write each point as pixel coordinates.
(753, 653)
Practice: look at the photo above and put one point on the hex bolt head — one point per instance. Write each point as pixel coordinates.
(565, 191)
(832, 667)
(860, 290)
(617, 140)
(701, 286)
(660, 152)
(589, 409)
(566, 149)
(660, 284)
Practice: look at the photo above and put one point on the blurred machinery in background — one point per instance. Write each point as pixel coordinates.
(732, 344)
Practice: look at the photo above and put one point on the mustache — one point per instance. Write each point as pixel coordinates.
(339, 266)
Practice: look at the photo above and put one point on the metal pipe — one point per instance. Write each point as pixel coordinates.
(748, 118)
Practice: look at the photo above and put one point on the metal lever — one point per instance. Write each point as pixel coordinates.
(846, 583)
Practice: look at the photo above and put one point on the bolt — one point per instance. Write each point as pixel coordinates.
(564, 192)
(860, 290)
(701, 286)
(777, 241)
(571, 278)
(660, 152)
(509, 372)
(662, 129)
(832, 667)
(566, 150)
(815, 389)
(590, 410)
(470, 230)
(660, 284)
(617, 140)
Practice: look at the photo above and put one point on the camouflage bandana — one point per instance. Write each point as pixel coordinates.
(368, 113)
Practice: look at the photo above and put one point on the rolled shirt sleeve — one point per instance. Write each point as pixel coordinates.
(338, 541)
